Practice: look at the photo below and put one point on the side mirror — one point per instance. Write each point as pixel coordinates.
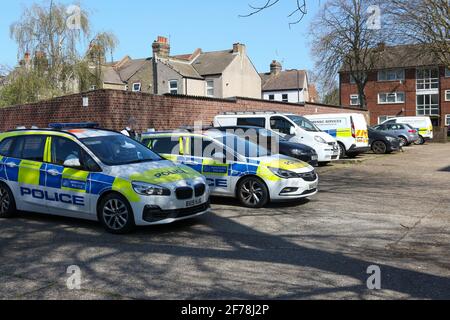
(72, 163)
(292, 131)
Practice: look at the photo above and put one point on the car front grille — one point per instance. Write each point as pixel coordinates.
(199, 190)
(310, 176)
(154, 214)
(184, 193)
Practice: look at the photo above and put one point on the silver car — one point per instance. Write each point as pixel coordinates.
(407, 134)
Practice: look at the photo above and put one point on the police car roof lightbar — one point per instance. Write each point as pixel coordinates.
(81, 125)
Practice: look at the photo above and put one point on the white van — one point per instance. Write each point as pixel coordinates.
(349, 129)
(423, 125)
(292, 127)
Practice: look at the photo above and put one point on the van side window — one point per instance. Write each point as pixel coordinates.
(252, 122)
(5, 147)
(29, 148)
(280, 124)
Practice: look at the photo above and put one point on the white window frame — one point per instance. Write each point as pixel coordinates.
(93, 87)
(172, 90)
(136, 84)
(282, 97)
(386, 118)
(396, 96)
(208, 88)
(447, 73)
(447, 120)
(353, 96)
(428, 82)
(399, 75)
(271, 97)
(447, 95)
(427, 107)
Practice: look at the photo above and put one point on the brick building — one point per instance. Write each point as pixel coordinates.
(115, 109)
(406, 81)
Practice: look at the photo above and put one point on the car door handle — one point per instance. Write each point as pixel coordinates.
(11, 165)
(53, 172)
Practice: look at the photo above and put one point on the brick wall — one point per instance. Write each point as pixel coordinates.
(114, 109)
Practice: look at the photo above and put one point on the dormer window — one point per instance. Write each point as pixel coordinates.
(136, 87)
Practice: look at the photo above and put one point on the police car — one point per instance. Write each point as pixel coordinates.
(236, 167)
(79, 171)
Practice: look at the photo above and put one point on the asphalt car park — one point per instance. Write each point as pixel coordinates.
(390, 211)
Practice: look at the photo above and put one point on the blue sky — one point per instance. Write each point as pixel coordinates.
(208, 24)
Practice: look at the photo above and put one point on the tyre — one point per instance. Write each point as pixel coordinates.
(7, 203)
(379, 147)
(116, 215)
(403, 141)
(253, 193)
(342, 151)
(421, 141)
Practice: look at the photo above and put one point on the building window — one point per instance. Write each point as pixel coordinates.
(447, 95)
(447, 72)
(447, 120)
(394, 97)
(391, 75)
(427, 79)
(271, 97)
(354, 100)
(137, 87)
(210, 88)
(285, 98)
(93, 87)
(173, 86)
(382, 119)
(428, 105)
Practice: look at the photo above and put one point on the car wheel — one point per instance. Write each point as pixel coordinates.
(253, 193)
(116, 215)
(403, 141)
(421, 141)
(342, 151)
(7, 203)
(379, 147)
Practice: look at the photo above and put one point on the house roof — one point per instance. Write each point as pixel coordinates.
(110, 75)
(285, 80)
(215, 62)
(130, 68)
(182, 67)
(402, 56)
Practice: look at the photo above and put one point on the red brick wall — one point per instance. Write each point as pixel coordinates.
(113, 109)
(408, 87)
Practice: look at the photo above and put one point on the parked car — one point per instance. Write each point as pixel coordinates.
(236, 167)
(383, 143)
(405, 132)
(74, 170)
(294, 128)
(349, 129)
(423, 125)
(271, 140)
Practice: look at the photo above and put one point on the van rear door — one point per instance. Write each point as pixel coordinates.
(359, 125)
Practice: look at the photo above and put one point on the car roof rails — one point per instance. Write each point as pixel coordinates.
(80, 125)
(194, 128)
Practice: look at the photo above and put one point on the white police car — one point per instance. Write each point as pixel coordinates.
(95, 174)
(236, 167)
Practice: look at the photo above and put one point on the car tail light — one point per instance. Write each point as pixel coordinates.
(412, 131)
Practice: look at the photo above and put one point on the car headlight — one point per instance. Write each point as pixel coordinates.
(391, 139)
(320, 139)
(147, 189)
(284, 174)
(299, 152)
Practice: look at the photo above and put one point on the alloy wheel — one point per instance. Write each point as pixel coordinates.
(115, 214)
(5, 201)
(379, 147)
(252, 192)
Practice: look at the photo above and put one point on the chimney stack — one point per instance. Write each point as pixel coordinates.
(275, 68)
(161, 47)
(239, 48)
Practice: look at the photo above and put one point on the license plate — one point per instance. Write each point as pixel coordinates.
(313, 186)
(193, 203)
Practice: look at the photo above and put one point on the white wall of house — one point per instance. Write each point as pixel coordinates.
(293, 96)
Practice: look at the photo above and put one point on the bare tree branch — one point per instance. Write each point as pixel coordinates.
(300, 10)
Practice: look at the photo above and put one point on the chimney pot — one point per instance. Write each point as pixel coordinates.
(161, 47)
(275, 67)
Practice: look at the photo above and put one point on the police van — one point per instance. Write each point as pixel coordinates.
(423, 125)
(236, 167)
(79, 171)
(292, 127)
(349, 129)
